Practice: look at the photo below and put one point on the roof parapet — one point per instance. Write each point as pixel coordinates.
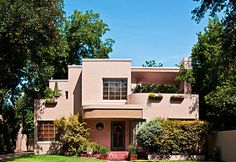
(106, 60)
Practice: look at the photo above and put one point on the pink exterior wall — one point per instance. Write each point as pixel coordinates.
(93, 73)
(226, 142)
(187, 109)
(84, 86)
(103, 137)
(64, 107)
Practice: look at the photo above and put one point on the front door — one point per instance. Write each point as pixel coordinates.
(117, 135)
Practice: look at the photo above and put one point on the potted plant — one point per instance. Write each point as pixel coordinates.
(153, 96)
(56, 91)
(103, 153)
(50, 99)
(132, 152)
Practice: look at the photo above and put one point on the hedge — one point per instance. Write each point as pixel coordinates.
(175, 137)
(156, 88)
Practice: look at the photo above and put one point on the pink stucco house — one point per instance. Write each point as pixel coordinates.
(101, 91)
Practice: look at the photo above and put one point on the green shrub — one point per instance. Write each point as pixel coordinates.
(104, 151)
(71, 133)
(89, 147)
(176, 137)
(156, 88)
(147, 134)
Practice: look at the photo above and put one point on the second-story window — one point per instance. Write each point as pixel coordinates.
(115, 88)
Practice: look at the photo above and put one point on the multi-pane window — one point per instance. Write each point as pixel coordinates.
(46, 131)
(115, 89)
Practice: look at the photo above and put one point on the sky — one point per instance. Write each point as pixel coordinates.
(160, 30)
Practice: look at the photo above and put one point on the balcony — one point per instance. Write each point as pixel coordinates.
(169, 106)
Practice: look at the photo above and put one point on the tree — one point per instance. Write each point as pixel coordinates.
(213, 79)
(84, 34)
(82, 38)
(152, 63)
(29, 34)
(34, 40)
(216, 63)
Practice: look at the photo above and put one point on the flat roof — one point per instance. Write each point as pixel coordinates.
(106, 60)
(155, 69)
(74, 66)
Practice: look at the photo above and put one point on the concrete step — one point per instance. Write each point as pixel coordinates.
(118, 155)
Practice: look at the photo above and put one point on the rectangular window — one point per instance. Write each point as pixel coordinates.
(115, 89)
(66, 94)
(46, 131)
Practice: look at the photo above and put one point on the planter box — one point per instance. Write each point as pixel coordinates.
(176, 98)
(133, 157)
(102, 157)
(155, 97)
(50, 103)
(175, 157)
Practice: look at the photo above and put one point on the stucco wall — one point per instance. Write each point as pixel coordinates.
(226, 142)
(92, 78)
(103, 137)
(187, 109)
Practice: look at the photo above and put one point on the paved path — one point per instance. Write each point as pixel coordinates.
(14, 155)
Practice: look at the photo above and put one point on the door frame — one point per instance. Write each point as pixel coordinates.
(121, 148)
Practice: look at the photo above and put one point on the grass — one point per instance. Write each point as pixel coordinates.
(170, 161)
(51, 158)
(57, 158)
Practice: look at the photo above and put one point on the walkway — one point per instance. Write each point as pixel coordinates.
(15, 155)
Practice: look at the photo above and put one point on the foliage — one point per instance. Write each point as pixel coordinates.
(185, 75)
(56, 90)
(89, 147)
(214, 62)
(132, 149)
(175, 137)
(156, 88)
(28, 30)
(153, 96)
(50, 158)
(147, 134)
(71, 132)
(152, 63)
(104, 151)
(84, 34)
(213, 71)
(51, 95)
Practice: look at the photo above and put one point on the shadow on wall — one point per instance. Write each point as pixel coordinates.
(195, 105)
(77, 96)
(39, 107)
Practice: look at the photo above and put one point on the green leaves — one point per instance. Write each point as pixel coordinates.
(84, 34)
(152, 63)
(171, 137)
(71, 132)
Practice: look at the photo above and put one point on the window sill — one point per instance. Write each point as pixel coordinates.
(115, 101)
(44, 142)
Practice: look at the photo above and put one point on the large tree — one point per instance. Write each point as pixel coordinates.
(83, 37)
(214, 63)
(29, 31)
(37, 43)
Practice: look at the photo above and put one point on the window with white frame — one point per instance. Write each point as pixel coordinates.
(114, 88)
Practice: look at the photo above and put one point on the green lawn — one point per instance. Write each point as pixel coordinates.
(170, 161)
(57, 158)
(52, 158)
